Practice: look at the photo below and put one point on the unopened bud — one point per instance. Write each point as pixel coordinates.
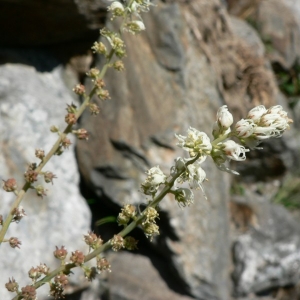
(40, 153)
(79, 89)
(49, 176)
(93, 73)
(14, 242)
(82, 134)
(70, 118)
(99, 48)
(103, 264)
(12, 285)
(60, 253)
(40, 191)
(77, 258)
(119, 65)
(10, 185)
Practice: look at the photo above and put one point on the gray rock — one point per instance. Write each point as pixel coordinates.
(153, 99)
(30, 102)
(267, 255)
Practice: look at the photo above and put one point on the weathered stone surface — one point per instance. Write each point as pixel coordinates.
(30, 102)
(267, 255)
(160, 94)
(134, 278)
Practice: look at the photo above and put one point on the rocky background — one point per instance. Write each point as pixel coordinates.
(196, 55)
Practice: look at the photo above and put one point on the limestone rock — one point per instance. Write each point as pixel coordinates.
(30, 102)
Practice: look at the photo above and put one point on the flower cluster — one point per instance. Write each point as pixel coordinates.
(261, 124)
(149, 224)
(154, 179)
(130, 12)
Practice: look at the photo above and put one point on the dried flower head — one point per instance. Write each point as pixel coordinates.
(81, 134)
(99, 48)
(150, 230)
(94, 109)
(49, 176)
(14, 242)
(70, 119)
(103, 264)
(77, 258)
(92, 240)
(117, 243)
(40, 153)
(150, 215)
(79, 89)
(40, 191)
(34, 273)
(94, 73)
(31, 176)
(60, 253)
(61, 280)
(119, 65)
(18, 213)
(103, 94)
(12, 285)
(28, 292)
(66, 143)
(10, 185)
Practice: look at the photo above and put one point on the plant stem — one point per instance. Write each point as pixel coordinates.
(53, 150)
(66, 268)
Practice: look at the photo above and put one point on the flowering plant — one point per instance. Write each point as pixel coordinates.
(227, 144)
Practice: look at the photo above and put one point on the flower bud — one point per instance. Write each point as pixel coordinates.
(134, 27)
(117, 243)
(10, 185)
(224, 117)
(77, 258)
(60, 253)
(70, 119)
(119, 65)
(28, 292)
(103, 264)
(12, 285)
(40, 153)
(79, 89)
(14, 242)
(99, 48)
(18, 213)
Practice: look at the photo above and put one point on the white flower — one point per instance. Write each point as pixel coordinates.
(155, 178)
(194, 175)
(184, 196)
(116, 8)
(234, 151)
(224, 117)
(134, 27)
(244, 128)
(256, 113)
(263, 133)
(196, 142)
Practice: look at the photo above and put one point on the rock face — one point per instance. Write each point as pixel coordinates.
(167, 86)
(30, 102)
(193, 58)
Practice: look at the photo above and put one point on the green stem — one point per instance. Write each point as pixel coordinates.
(53, 150)
(66, 268)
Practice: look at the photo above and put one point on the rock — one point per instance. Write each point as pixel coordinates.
(159, 95)
(135, 277)
(266, 255)
(30, 102)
